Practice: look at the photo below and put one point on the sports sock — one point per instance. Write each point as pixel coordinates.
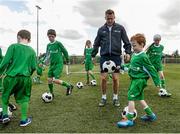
(115, 96)
(130, 116)
(163, 83)
(148, 110)
(65, 84)
(104, 96)
(92, 76)
(50, 88)
(24, 109)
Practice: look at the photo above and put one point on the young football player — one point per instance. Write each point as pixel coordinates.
(140, 69)
(18, 65)
(155, 52)
(55, 51)
(88, 61)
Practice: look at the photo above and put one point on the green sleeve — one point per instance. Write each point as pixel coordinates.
(33, 63)
(0, 53)
(7, 60)
(149, 68)
(65, 53)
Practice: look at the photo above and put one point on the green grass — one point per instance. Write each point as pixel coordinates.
(80, 113)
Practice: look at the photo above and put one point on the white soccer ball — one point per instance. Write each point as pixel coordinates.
(162, 92)
(79, 85)
(125, 112)
(93, 83)
(9, 111)
(47, 97)
(109, 66)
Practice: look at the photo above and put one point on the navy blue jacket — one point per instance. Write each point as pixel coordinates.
(111, 41)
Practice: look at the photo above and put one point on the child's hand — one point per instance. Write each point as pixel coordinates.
(127, 58)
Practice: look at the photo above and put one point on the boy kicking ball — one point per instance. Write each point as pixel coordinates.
(155, 52)
(55, 51)
(18, 65)
(140, 69)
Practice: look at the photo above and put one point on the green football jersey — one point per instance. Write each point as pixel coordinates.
(155, 53)
(88, 57)
(1, 56)
(56, 51)
(20, 60)
(141, 67)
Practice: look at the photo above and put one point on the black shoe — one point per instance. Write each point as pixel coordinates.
(69, 90)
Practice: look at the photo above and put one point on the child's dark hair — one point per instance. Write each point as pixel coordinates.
(52, 32)
(109, 12)
(140, 38)
(24, 34)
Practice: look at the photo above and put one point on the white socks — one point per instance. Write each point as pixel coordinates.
(115, 96)
(104, 96)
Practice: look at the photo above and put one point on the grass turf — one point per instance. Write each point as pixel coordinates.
(80, 113)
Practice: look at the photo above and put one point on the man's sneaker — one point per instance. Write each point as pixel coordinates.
(125, 123)
(102, 102)
(5, 119)
(116, 102)
(149, 117)
(69, 90)
(12, 107)
(26, 122)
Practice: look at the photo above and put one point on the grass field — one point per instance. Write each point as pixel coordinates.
(80, 113)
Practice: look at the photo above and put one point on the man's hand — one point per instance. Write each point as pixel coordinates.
(127, 58)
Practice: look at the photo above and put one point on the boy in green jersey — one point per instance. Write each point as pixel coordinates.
(18, 65)
(155, 52)
(140, 69)
(88, 61)
(55, 51)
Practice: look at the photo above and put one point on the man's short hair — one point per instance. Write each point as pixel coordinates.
(140, 38)
(109, 12)
(52, 32)
(24, 34)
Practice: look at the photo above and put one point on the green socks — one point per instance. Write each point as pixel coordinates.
(87, 78)
(148, 111)
(163, 83)
(24, 109)
(65, 84)
(5, 109)
(50, 88)
(130, 116)
(92, 76)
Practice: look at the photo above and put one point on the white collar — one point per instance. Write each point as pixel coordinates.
(52, 42)
(136, 54)
(157, 45)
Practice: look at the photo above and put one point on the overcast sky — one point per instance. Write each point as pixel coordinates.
(78, 20)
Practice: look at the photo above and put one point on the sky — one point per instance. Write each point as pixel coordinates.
(76, 21)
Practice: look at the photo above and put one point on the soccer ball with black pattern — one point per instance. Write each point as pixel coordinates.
(47, 97)
(79, 85)
(109, 66)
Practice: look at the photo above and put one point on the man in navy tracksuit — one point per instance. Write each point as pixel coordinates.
(109, 38)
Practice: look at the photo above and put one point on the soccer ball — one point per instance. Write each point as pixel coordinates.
(47, 97)
(9, 112)
(109, 66)
(79, 85)
(125, 112)
(93, 83)
(162, 92)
